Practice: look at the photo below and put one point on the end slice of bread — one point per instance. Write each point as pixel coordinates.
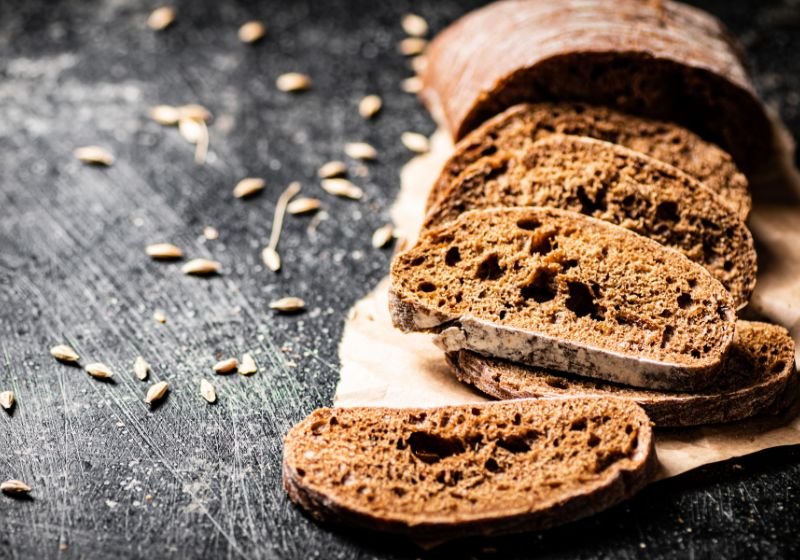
(618, 185)
(758, 370)
(460, 470)
(518, 127)
(560, 290)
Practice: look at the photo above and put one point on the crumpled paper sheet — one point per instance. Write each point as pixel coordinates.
(383, 367)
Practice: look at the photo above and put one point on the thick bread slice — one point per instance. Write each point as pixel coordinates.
(758, 370)
(670, 61)
(558, 289)
(618, 185)
(518, 127)
(463, 470)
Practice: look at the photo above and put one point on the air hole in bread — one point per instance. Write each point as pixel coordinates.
(398, 491)
(667, 211)
(578, 425)
(301, 473)
(453, 256)
(476, 411)
(588, 205)
(667, 335)
(518, 443)
(628, 200)
(333, 421)
(581, 301)
(628, 429)
(488, 151)
(594, 441)
(491, 465)
(684, 300)
(528, 224)
(417, 261)
(318, 427)
(569, 263)
(517, 419)
(426, 287)
(430, 448)
(417, 418)
(542, 245)
(557, 382)
(778, 367)
(727, 266)
(490, 268)
(502, 314)
(542, 288)
(608, 459)
(695, 353)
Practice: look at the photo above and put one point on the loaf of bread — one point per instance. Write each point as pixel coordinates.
(560, 290)
(618, 185)
(464, 470)
(671, 62)
(515, 129)
(759, 370)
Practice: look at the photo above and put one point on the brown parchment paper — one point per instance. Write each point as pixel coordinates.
(383, 367)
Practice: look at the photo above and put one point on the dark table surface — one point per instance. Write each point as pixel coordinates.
(113, 478)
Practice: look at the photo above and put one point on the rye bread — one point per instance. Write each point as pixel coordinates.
(618, 185)
(758, 370)
(560, 290)
(462, 470)
(518, 127)
(672, 62)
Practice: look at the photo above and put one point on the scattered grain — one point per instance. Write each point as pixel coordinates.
(161, 18)
(141, 368)
(412, 46)
(416, 142)
(156, 392)
(418, 64)
(369, 106)
(195, 112)
(271, 259)
(414, 25)
(7, 399)
(64, 353)
(248, 187)
(248, 365)
(382, 236)
(288, 305)
(226, 366)
(166, 115)
(99, 371)
(303, 206)
(341, 187)
(201, 267)
(332, 169)
(252, 32)
(14, 487)
(163, 251)
(360, 150)
(411, 85)
(94, 155)
(159, 316)
(292, 82)
(207, 391)
(210, 233)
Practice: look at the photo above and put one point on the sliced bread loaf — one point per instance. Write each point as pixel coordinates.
(759, 369)
(618, 185)
(671, 62)
(517, 128)
(463, 470)
(558, 289)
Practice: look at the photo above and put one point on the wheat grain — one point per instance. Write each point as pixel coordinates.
(332, 169)
(64, 353)
(270, 254)
(207, 391)
(412, 46)
(156, 392)
(416, 142)
(7, 399)
(248, 187)
(411, 85)
(252, 32)
(369, 106)
(303, 206)
(161, 18)
(94, 155)
(248, 365)
(166, 115)
(99, 370)
(293, 82)
(382, 236)
(414, 25)
(141, 368)
(226, 366)
(201, 267)
(360, 150)
(341, 187)
(163, 251)
(14, 487)
(288, 304)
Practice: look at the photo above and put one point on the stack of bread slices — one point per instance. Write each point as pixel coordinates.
(583, 258)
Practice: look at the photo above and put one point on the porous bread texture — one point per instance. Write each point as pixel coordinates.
(558, 289)
(475, 469)
(618, 185)
(515, 129)
(758, 370)
(671, 62)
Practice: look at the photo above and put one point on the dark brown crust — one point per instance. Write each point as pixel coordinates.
(612, 183)
(746, 388)
(676, 63)
(519, 126)
(621, 482)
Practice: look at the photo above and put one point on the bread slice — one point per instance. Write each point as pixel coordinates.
(758, 370)
(612, 183)
(663, 60)
(558, 289)
(515, 129)
(463, 470)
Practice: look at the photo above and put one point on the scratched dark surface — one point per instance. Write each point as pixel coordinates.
(72, 268)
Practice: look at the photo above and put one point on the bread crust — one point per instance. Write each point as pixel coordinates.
(618, 185)
(746, 386)
(521, 125)
(676, 63)
(556, 338)
(327, 501)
